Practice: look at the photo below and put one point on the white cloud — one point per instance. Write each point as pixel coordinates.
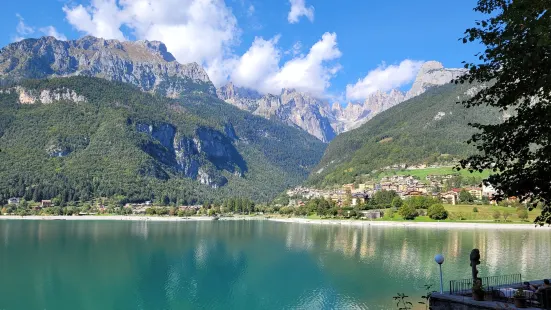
(24, 31)
(384, 78)
(22, 28)
(51, 31)
(204, 31)
(298, 9)
(260, 61)
(199, 31)
(103, 18)
(259, 67)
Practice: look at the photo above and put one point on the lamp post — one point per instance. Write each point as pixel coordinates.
(439, 259)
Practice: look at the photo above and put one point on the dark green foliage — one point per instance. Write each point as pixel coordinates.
(437, 212)
(239, 205)
(408, 212)
(409, 133)
(397, 202)
(104, 155)
(421, 202)
(384, 199)
(485, 200)
(465, 196)
(516, 66)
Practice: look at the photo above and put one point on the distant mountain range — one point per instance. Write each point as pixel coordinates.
(325, 121)
(146, 64)
(180, 133)
(151, 67)
(77, 132)
(430, 128)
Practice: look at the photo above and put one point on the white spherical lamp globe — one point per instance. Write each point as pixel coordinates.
(439, 259)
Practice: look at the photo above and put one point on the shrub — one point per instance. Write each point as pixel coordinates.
(475, 210)
(408, 212)
(437, 212)
(496, 215)
(397, 202)
(522, 214)
(506, 215)
(286, 210)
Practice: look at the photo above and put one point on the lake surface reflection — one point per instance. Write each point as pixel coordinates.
(244, 264)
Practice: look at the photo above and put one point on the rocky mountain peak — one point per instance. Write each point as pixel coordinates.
(146, 64)
(313, 114)
(431, 74)
(158, 48)
(430, 65)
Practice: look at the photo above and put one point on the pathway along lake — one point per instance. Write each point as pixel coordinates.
(244, 264)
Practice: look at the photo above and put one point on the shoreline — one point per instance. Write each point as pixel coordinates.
(132, 218)
(440, 225)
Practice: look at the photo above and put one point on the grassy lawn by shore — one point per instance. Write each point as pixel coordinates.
(464, 214)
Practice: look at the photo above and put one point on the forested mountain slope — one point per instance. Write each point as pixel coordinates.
(79, 138)
(429, 127)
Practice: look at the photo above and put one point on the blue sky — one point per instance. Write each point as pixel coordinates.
(324, 47)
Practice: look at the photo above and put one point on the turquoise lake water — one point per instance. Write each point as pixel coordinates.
(244, 264)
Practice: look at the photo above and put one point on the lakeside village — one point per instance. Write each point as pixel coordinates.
(404, 194)
(405, 186)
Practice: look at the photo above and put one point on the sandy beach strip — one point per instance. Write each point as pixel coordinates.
(116, 218)
(443, 225)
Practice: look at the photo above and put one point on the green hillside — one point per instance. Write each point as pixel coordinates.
(429, 128)
(124, 143)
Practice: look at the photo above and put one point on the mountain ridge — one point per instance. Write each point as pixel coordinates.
(325, 121)
(146, 64)
(79, 138)
(429, 128)
(150, 66)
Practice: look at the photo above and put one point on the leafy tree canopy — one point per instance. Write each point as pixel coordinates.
(515, 68)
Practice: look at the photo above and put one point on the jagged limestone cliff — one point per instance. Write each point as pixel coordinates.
(317, 117)
(146, 64)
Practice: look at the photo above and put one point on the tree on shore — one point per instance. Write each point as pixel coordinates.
(465, 196)
(522, 213)
(437, 212)
(408, 212)
(397, 202)
(514, 75)
(496, 215)
(506, 215)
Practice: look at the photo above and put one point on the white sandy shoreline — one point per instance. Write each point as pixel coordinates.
(116, 218)
(444, 225)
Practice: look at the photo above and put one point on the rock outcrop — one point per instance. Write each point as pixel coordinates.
(291, 107)
(146, 64)
(45, 96)
(356, 114)
(432, 74)
(203, 156)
